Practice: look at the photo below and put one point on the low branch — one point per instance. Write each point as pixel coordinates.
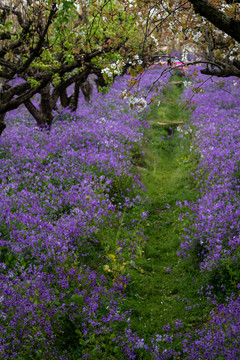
(14, 103)
(226, 72)
(65, 84)
(32, 109)
(227, 24)
(8, 64)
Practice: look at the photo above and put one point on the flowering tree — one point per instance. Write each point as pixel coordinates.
(219, 24)
(23, 37)
(210, 29)
(47, 46)
(214, 29)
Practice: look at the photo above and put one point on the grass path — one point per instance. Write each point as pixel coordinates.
(161, 286)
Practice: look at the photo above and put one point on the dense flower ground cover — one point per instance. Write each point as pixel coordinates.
(214, 230)
(72, 221)
(64, 195)
(212, 224)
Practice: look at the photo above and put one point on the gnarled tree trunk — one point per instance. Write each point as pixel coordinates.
(44, 115)
(72, 101)
(2, 124)
(87, 89)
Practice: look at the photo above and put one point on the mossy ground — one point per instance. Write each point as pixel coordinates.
(162, 285)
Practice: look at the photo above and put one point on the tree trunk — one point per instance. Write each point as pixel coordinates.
(2, 124)
(44, 115)
(72, 101)
(87, 89)
(99, 81)
(74, 97)
(64, 98)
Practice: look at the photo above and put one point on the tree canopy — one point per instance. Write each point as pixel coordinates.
(212, 26)
(46, 46)
(221, 34)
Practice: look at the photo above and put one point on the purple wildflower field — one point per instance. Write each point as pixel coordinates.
(64, 194)
(212, 223)
(215, 218)
(59, 191)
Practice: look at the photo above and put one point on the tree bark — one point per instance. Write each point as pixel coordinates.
(2, 124)
(80, 81)
(43, 116)
(46, 107)
(87, 89)
(64, 98)
(75, 96)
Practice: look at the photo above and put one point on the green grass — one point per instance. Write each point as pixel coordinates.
(169, 110)
(166, 171)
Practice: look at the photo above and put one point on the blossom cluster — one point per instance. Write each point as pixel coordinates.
(113, 69)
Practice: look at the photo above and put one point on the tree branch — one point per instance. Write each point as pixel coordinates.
(224, 72)
(38, 47)
(65, 84)
(26, 94)
(32, 109)
(8, 64)
(225, 23)
(8, 9)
